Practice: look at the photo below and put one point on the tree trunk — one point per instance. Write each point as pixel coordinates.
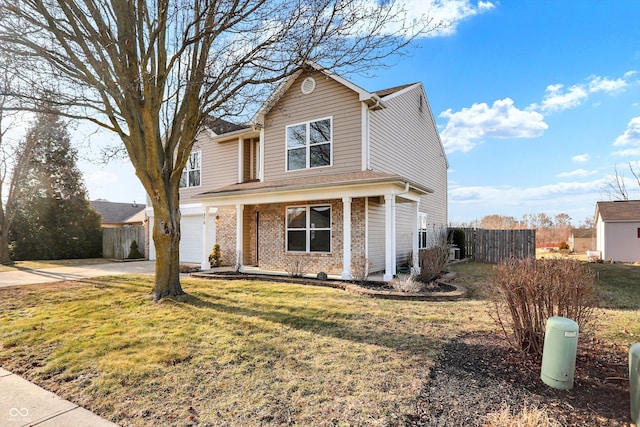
(166, 238)
(5, 259)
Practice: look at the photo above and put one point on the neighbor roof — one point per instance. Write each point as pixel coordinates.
(221, 126)
(582, 233)
(112, 212)
(619, 210)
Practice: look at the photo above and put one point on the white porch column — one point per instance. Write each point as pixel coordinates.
(346, 239)
(390, 236)
(239, 218)
(416, 250)
(204, 259)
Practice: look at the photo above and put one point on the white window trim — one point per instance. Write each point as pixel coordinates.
(307, 145)
(422, 230)
(187, 170)
(307, 228)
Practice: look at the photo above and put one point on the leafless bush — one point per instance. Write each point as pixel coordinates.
(434, 259)
(432, 262)
(527, 292)
(295, 266)
(407, 283)
(360, 269)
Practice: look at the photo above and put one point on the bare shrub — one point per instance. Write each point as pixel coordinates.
(295, 266)
(432, 262)
(527, 292)
(360, 269)
(434, 259)
(527, 417)
(407, 283)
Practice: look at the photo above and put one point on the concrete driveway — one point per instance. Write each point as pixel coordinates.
(57, 274)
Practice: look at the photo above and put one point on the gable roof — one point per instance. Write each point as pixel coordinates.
(372, 99)
(118, 212)
(619, 210)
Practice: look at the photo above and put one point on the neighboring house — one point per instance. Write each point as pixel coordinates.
(582, 239)
(119, 214)
(325, 177)
(618, 230)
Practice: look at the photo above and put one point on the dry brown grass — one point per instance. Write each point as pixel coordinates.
(229, 353)
(527, 417)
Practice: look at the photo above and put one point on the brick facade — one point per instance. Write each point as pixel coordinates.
(265, 246)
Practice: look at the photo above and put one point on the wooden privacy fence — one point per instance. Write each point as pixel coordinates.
(116, 242)
(497, 245)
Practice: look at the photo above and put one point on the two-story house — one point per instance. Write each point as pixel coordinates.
(326, 176)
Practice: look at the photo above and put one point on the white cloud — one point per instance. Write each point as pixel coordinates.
(603, 84)
(631, 136)
(580, 158)
(576, 173)
(556, 99)
(449, 13)
(559, 99)
(502, 120)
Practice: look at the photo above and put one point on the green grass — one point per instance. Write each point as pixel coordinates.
(232, 353)
(252, 353)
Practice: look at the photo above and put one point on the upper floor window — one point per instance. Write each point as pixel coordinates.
(309, 229)
(191, 173)
(309, 144)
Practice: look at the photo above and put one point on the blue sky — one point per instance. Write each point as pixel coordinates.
(536, 103)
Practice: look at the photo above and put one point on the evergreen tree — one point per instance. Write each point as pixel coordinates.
(54, 219)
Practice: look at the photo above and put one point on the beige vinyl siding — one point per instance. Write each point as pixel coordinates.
(376, 256)
(404, 140)
(329, 99)
(219, 166)
(405, 222)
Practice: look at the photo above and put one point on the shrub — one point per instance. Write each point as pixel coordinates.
(360, 269)
(563, 246)
(134, 252)
(215, 257)
(407, 283)
(527, 292)
(432, 262)
(295, 266)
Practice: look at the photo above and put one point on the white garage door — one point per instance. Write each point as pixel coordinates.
(191, 239)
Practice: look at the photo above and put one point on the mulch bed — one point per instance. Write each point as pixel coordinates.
(479, 374)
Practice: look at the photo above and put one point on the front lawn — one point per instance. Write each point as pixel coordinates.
(231, 353)
(244, 353)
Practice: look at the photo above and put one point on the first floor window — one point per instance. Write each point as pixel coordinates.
(309, 228)
(191, 174)
(423, 232)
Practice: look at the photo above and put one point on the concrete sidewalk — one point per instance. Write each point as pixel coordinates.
(25, 404)
(57, 274)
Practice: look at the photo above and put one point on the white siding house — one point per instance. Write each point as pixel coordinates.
(618, 230)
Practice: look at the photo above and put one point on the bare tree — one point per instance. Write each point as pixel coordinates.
(13, 154)
(152, 71)
(616, 186)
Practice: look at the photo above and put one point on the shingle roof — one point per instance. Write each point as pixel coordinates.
(386, 92)
(582, 233)
(363, 177)
(620, 210)
(116, 212)
(220, 126)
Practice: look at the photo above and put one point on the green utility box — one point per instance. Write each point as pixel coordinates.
(559, 353)
(634, 382)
